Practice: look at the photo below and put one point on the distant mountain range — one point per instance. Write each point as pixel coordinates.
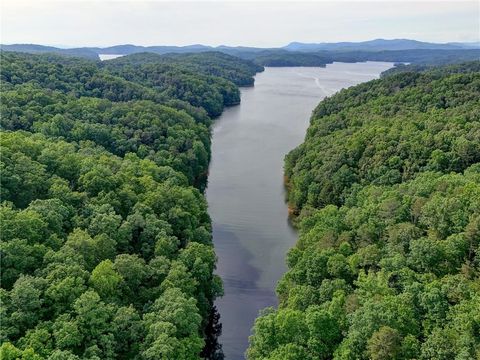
(40, 49)
(379, 45)
(293, 54)
(372, 45)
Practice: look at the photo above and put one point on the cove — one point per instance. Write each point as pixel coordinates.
(245, 192)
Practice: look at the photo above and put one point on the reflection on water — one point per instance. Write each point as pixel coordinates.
(245, 190)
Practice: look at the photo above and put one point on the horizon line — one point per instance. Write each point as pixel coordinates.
(66, 47)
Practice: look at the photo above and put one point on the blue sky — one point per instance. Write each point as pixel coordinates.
(247, 23)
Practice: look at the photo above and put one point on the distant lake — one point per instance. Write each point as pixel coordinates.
(109, 56)
(245, 190)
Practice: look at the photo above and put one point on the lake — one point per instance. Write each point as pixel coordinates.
(246, 196)
(104, 57)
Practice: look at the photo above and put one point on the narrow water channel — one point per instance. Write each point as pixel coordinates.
(245, 190)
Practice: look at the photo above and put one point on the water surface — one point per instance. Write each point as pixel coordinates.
(245, 190)
(104, 57)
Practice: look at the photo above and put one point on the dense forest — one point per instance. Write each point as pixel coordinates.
(386, 194)
(106, 246)
(207, 63)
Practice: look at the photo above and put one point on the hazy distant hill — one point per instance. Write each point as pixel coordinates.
(295, 53)
(126, 49)
(377, 45)
(133, 49)
(468, 45)
(40, 49)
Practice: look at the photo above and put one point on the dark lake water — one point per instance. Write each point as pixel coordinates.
(245, 190)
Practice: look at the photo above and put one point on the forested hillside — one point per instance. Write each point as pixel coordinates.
(295, 54)
(106, 242)
(279, 57)
(386, 194)
(42, 49)
(207, 63)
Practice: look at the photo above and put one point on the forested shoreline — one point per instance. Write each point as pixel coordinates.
(386, 194)
(106, 241)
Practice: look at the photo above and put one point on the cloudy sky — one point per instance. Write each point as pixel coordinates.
(249, 23)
